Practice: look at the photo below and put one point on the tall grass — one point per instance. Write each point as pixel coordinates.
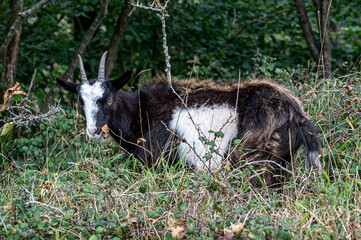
(68, 188)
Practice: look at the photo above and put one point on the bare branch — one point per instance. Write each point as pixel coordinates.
(157, 7)
(33, 201)
(22, 116)
(86, 39)
(32, 82)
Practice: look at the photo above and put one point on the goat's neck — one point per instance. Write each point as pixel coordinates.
(126, 113)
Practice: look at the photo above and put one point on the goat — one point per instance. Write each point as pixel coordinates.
(266, 118)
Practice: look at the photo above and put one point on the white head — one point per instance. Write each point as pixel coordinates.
(96, 96)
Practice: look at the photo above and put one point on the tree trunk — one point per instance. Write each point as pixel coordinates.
(321, 53)
(10, 56)
(118, 35)
(306, 29)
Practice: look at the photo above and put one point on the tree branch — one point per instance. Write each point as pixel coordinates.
(86, 39)
(17, 22)
(156, 6)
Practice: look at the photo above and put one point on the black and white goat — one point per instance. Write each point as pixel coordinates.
(266, 118)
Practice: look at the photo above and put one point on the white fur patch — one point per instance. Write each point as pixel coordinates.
(90, 94)
(205, 118)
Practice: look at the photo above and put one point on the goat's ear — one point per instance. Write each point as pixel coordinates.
(122, 80)
(71, 87)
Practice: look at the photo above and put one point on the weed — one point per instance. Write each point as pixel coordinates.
(56, 184)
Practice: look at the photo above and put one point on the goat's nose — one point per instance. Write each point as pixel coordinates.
(92, 131)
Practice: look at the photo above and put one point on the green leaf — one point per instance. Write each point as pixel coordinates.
(66, 224)
(142, 189)
(99, 230)
(69, 214)
(93, 237)
(284, 235)
(24, 225)
(7, 128)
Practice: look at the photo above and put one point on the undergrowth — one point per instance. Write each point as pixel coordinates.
(55, 184)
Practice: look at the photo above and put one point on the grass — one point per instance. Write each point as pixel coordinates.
(55, 184)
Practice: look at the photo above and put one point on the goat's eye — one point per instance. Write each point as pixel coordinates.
(110, 101)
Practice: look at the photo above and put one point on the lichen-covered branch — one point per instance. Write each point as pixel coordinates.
(21, 114)
(157, 7)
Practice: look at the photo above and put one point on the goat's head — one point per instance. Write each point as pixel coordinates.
(96, 96)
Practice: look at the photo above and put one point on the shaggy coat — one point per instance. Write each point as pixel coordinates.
(199, 125)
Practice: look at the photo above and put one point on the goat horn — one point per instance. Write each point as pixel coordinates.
(82, 71)
(101, 72)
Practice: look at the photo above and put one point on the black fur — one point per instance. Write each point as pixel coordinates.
(271, 122)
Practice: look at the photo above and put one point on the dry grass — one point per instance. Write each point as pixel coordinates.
(87, 190)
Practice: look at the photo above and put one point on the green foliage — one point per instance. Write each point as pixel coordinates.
(57, 184)
(91, 190)
(207, 39)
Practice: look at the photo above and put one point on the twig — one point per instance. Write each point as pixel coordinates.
(246, 218)
(157, 7)
(22, 116)
(33, 201)
(32, 82)
(3, 223)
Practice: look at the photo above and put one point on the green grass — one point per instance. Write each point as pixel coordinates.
(56, 184)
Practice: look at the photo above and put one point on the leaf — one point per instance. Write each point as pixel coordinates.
(318, 116)
(142, 189)
(139, 140)
(93, 237)
(10, 93)
(8, 206)
(237, 229)
(176, 222)
(105, 131)
(24, 225)
(133, 219)
(178, 233)
(7, 128)
(228, 233)
(284, 235)
(48, 219)
(12, 213)
(99, 230)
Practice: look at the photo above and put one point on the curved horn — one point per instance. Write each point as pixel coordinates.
(101, 72)
(82, 71)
